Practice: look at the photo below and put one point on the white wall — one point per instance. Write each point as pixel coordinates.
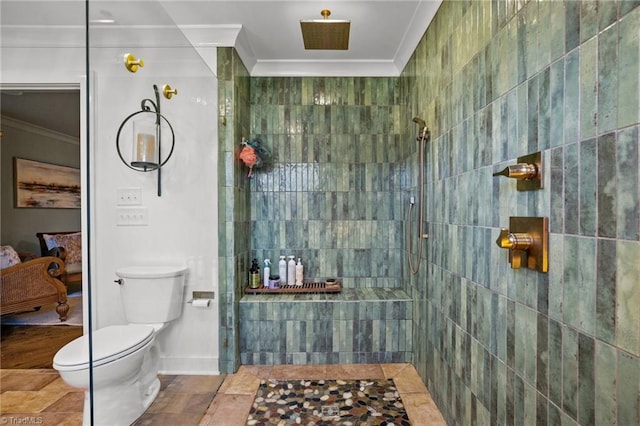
(182, 224)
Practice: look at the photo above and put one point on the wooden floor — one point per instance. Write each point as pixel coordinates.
(27, 347)
(31, 389)
(42, 397)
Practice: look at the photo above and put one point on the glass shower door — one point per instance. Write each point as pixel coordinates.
(152, 101)
(129, 217)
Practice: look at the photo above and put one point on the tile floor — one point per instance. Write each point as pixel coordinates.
(41, 397)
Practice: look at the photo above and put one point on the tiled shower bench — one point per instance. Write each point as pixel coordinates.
(367, 325)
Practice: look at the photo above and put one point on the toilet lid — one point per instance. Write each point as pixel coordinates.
(109, 343)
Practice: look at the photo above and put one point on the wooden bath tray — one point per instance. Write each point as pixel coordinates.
(308, 287)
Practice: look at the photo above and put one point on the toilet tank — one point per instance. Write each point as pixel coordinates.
(152, 294)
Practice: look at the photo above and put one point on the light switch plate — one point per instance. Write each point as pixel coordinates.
(129, 196)
(132, 216)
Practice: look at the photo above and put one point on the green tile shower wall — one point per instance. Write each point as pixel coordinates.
(332, 195)
(233, 202)
(494, 81)
(355, 326)
(333, 192)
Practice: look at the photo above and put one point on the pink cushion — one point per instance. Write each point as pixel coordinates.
(8, 257)
(72, 243)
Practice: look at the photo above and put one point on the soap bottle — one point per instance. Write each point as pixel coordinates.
(266, 273)
(299, 273)
(282, 269)
(291, 271)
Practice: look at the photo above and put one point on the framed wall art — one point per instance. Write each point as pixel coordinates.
(45, 186)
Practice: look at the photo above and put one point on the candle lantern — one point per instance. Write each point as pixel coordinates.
(148, 125)
(145, 144)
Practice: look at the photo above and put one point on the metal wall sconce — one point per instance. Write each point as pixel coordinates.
(146, 150)
(528, 172)
(527, 240)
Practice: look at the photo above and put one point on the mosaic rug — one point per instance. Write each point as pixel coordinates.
(328, 402)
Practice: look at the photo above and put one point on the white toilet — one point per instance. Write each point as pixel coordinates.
(125, 359)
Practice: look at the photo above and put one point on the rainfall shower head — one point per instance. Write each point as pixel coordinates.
(325, 34)
(420, 122)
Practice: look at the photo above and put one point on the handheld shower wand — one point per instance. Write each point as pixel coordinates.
(423, 127)
(422, 137)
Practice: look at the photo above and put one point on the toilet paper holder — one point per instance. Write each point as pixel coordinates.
(199, 295)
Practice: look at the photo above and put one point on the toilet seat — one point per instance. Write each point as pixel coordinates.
(109, 344)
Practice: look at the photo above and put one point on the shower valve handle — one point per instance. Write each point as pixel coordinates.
(517, 243)
(514, 241)
(527, 242)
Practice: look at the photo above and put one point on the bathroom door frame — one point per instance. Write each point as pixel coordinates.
(87, 181)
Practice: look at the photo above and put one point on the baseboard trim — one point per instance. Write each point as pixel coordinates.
(190, 366)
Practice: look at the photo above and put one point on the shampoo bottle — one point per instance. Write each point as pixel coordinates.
(291, 271)
(282, 269)
(266, 272)
(299, 273)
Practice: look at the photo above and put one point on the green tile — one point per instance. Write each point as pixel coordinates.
(570, 372)
(556, 29)
(606, 291)
(572, 25)
(628, 389)
(572, 97)
(586, 379)
(571, 294)
(587, 283)
(556, 189)
(556, 96)
(627, 198)
(588, 19)
(544, 105)
(520, 144)
(588, 88)
(530, 404)
(588, 187)
(626, 5)
(605, 382)
(501, 397)
(608, 79)
(607, 183)
(571, 196)
(628, 296)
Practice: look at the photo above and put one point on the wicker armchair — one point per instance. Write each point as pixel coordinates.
(32, 284)
(73, 268)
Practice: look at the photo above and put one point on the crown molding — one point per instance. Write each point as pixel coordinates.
(324, 68)
(41, 131)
